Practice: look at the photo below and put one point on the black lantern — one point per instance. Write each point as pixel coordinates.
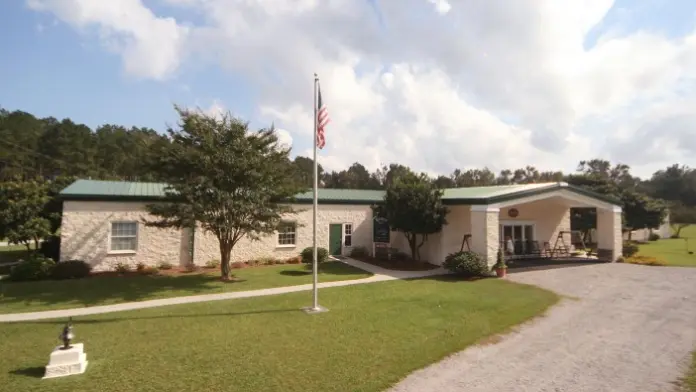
(67, 335)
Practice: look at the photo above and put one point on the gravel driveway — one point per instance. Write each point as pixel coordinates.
(628, 328)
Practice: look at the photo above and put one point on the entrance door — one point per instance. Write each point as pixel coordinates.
(335, 239)
(521, 234)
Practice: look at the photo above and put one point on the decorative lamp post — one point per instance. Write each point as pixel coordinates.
(67, 335)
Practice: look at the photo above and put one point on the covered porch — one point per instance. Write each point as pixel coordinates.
(529, 227)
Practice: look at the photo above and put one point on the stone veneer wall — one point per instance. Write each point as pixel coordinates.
(86, 227)
(206, 245)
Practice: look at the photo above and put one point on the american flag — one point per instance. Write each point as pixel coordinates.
(322, 120)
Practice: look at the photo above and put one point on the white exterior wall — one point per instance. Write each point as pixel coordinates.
(206, 245)
(86, 228)
(550, 216)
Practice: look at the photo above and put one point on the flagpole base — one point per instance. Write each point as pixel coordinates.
(313, 310)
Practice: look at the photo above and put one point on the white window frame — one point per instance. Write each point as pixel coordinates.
(278, 233)
(343, 235)
(111, 236)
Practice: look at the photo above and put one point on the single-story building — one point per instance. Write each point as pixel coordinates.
(102, 224)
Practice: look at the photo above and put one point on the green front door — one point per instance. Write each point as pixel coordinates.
(335, 239)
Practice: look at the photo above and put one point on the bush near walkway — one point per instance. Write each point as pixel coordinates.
(374, 335)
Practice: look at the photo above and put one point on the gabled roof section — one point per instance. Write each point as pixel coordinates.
(147, 191)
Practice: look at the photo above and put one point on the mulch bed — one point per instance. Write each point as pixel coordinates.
(399, 265)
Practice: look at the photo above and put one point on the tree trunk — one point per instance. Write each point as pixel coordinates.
(412, 244)
(225, 261)
(630, 232)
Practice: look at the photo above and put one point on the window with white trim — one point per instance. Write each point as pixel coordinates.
(124, 236)
(348, 234)
(287, 233)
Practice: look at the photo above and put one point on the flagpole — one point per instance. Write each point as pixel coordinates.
(315, 273)
(315, 308)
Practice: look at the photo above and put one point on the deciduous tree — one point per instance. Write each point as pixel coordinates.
(413, 206)
(225, 178)
(22, 207)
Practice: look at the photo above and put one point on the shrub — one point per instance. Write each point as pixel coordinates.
(500, 260)
(279, 261)
(71, 269)
(140, 267)
(122, 267)
(294, 260)
(308, 255)
(254, 263)
(359, 252)
(653, 237)
(267, 260)
(190, 267)
(165, 265)
(629, 249)
(237, 265)
(644, 260)
(212, 264)
(466, 264)
(50, 248)
(36, 267)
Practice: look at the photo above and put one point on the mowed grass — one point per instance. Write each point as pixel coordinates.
(373, 336)
(674, 251)
(12, 253)
(19, 297)
(689, 382)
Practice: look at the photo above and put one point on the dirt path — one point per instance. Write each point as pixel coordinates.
(630, 328)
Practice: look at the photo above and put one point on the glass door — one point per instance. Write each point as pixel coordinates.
(516, 239)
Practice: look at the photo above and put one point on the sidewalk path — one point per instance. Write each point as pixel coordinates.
(380, 275)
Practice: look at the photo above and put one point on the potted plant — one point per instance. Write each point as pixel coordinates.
(500, 267)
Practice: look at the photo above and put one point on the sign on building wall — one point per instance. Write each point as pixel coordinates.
(380, 230)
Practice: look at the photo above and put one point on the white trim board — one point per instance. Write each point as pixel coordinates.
(583, 201)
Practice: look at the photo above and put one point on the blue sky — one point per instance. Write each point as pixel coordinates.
(57, 71)
(55, 67)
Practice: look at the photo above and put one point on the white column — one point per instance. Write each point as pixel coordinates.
(485, 231)
(609, 235)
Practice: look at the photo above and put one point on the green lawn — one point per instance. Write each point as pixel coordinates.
(674, 251)
(689, 382)
(50, 294)
(373, 336)
(12, 253)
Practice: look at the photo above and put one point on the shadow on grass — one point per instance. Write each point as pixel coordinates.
(10, 256)
(77, 320)
(33, 372)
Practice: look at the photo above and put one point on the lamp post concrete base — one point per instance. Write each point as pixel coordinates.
(66, 362)
(313, 310)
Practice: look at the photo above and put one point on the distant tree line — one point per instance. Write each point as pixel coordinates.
(45, 154)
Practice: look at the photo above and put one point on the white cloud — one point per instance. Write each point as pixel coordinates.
(439, 85)
(150, 46)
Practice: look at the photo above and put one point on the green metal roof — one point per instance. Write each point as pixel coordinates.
(122, 190)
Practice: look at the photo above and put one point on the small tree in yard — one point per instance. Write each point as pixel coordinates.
(413, 206)
(230, 181)
(22, 205)
(680, 217)
(642, 212)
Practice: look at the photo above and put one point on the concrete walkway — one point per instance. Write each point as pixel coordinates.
(380, 275)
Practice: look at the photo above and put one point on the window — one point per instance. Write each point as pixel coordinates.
(286, 234)
(124, 236)
(348, 234)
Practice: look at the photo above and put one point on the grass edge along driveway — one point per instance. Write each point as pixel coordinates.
(373, 336)
(22, 297)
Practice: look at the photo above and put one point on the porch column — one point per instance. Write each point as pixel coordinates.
(609, 235)
(485, 232)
